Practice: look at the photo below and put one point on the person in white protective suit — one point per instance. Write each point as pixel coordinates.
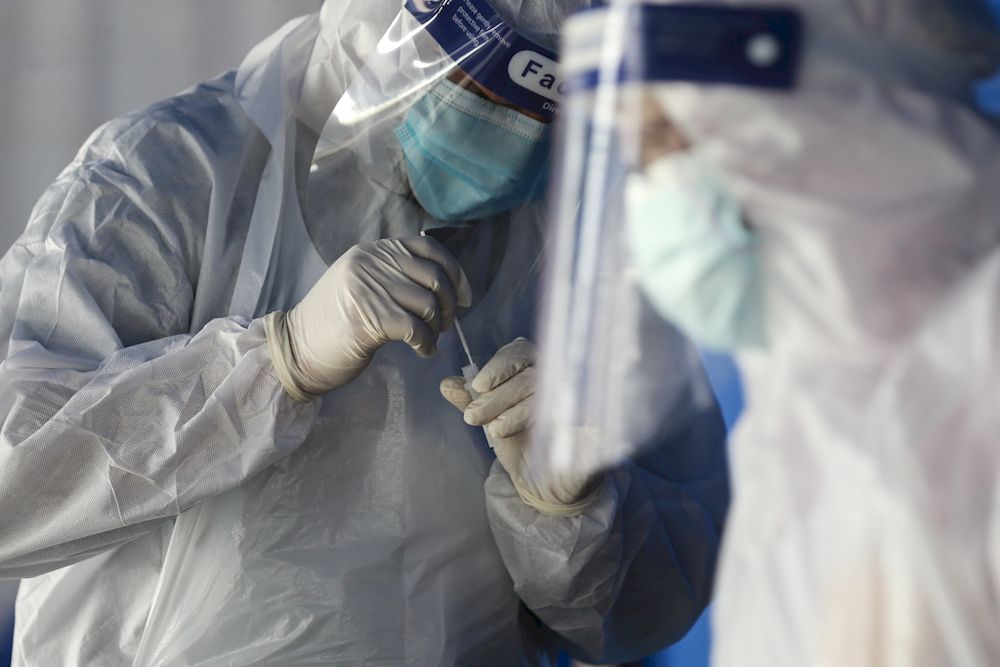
(857, 219)
(218, 446)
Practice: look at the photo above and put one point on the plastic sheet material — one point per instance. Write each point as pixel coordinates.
(610, 360)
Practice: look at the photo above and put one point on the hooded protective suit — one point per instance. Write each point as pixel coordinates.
(864, 524)
(169, 504)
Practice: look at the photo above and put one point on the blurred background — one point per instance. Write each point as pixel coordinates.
(66, 66)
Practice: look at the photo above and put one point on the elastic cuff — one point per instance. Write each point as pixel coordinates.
(280, 348)
(560, 509)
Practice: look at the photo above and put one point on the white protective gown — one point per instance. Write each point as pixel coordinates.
(169, 504)
(864, 525)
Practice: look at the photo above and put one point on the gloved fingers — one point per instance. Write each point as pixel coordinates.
(510, 452)
(509, 360)
(514, 420)
(421, 302)
(494, 403)
(454, 391)
(410, 329)
(433, 251)
(433, 279)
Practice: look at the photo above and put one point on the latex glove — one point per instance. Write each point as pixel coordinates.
(506, 386)
(390, 290)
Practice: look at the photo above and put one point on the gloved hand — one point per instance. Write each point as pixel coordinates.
(390, 290)
(506, 386)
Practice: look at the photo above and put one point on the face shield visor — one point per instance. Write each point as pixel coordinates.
(646, 239)
(454, 107)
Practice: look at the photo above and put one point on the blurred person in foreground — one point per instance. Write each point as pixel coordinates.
(841, 238)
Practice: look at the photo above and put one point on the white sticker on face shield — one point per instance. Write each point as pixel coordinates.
(537, 73)
(763, 50)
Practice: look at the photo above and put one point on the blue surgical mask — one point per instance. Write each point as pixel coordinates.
(468, 158)
(695, 260)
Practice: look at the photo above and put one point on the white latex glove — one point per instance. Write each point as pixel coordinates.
(506, 386)
(390, 290)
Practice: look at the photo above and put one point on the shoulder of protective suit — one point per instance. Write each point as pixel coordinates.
(204, 116)
(148, 173)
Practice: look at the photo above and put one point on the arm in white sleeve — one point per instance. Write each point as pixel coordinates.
(633, 572)
(114, 418)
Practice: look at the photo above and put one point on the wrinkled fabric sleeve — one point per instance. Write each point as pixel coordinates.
(114, 417)
(633, 573)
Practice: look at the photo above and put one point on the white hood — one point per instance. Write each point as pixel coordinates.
(870, 181)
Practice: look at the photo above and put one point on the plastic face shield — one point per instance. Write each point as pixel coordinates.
(429, 41)
(616, 378)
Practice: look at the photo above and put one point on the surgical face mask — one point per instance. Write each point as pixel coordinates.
(468, 158)
(696, 261)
